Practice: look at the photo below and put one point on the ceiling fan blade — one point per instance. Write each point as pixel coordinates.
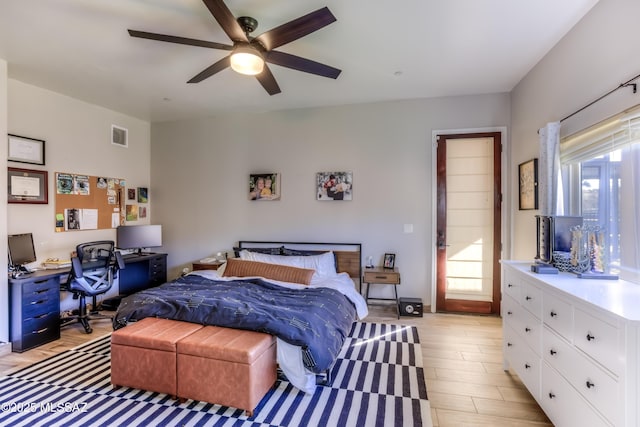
(227, 21)
(268, 82)
(296, 29)
(210, 71)
(301, 64)
(178, 40)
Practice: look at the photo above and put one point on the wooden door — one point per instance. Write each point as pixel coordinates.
(468, 223)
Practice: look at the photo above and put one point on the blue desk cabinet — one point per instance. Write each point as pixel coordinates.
(142, 272)
(35, 310)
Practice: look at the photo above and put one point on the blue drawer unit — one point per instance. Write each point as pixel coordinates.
(35, 311)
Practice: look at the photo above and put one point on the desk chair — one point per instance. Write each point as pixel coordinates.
(93, 271)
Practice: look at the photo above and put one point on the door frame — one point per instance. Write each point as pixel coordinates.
(506, 199)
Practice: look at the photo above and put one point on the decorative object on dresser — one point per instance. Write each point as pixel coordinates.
(574, 344)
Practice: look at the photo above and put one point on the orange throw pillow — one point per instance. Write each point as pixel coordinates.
(242, 268)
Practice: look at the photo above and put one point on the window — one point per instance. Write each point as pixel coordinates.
(601, 169)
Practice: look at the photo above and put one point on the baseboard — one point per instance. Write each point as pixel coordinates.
(5, 348)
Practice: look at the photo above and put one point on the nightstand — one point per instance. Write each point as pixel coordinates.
(205, 265)
(382, 276)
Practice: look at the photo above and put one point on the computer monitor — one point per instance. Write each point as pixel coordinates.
(21, 250)
(138, 237)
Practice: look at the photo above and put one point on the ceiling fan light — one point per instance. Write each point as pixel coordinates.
(247, 60)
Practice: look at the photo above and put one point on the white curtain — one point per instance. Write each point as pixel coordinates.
(550, 193)
(630, 215)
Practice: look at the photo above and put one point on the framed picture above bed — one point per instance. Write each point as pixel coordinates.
(264, 186)
(334, 186)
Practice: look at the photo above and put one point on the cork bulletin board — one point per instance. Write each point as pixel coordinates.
(85, 202)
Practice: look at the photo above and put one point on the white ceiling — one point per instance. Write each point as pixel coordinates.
(386, 49)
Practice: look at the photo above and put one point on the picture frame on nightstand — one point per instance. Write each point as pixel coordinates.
(389, 261)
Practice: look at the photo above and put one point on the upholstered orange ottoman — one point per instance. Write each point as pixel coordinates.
(143, 354)
(230, 367)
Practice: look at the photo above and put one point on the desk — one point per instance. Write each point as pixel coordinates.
(34, 299)
(383, 276)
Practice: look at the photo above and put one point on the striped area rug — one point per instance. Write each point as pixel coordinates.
(378, 380)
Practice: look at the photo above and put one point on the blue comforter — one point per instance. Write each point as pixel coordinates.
(315, 319)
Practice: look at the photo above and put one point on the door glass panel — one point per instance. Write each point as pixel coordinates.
(470, 190)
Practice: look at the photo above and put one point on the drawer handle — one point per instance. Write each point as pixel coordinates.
(527, 366)
(590, 337)
(527, 329)
(509, 313)
(40, 316)
(528, 298)
(381, 277)
(553, 314)
(551, 395)
(40, 331)
(590, 384)
(40, 291)
(553, 352)
(509, 344)
(509, 285)
(38, 302)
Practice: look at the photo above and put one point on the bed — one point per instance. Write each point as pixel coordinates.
(302, 293)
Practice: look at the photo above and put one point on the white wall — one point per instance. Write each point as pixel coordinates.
(200, 170)
(596, 56)
(77, 136)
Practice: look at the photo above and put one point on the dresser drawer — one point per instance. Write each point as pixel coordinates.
(563, 406)
(40, 331)
(42, 305)
(531, 299)
(527, 366)
(37, 289)
(381, 277)
(598, 387)
(558, 314)
(598, 339)
(511, 285)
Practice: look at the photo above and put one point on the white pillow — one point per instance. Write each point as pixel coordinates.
(324, 264)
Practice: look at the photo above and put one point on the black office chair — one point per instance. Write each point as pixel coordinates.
(93, 271)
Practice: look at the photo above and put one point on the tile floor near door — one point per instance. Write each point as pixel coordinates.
(462, 355)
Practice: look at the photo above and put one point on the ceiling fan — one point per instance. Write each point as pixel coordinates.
(249, 54)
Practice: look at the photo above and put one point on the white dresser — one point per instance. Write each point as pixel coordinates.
(574, 343)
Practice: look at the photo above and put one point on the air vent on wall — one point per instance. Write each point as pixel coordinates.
(119, 136)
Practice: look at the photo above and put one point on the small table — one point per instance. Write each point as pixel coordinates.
(383, 276)
(205, 265)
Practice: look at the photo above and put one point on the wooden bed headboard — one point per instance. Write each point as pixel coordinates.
(348, 255)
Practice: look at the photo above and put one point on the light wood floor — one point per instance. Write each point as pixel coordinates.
(462, 356)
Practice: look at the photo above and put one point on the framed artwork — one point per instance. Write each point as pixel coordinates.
(389, 261)
(131, 193)
(25, 150)
(27, 186)
(334, 186)
(528, 184)
(143, 194)
(264, 186)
